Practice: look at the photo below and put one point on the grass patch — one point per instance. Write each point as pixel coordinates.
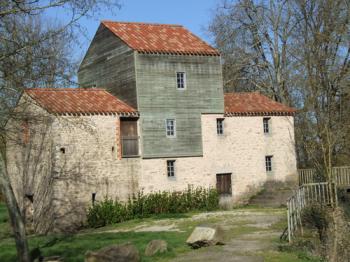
(5, 230)
(73, 248)
(276, 256)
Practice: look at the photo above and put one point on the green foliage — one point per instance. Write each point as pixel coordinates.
(110, 212)
(316, 216)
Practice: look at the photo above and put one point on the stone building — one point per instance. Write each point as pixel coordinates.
(164, 123)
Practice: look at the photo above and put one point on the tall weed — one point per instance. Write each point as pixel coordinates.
(140, 205)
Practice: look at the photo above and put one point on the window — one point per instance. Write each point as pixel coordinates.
(93, 198)
(170, 164)
(220, 126)
(266, 125)
(180, 80)
(268, 163)
(129, 137)
(30, 197)
(170, 127)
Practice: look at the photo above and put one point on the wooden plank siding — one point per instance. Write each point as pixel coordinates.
(109, 63)
(159, 99)
(148, 83)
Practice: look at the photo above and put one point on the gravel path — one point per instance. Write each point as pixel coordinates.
(248, 235)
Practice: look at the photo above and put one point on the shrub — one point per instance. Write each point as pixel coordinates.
(109, 212)
(316, 216)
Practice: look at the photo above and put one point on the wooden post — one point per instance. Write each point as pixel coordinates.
(288, 218)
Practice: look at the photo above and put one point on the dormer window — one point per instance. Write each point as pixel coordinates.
(181, 80)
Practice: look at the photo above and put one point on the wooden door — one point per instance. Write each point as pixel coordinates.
(129, 136)
(224, 184)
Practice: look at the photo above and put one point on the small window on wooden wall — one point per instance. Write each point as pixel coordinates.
(181, 80)
(170, 128)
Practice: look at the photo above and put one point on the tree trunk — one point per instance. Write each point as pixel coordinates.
(15, 215)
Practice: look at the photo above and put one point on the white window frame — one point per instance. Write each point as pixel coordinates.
(183, 73)
(268, 163)
(266, 125)
(220, 129)
(167, 131)
(170, 168)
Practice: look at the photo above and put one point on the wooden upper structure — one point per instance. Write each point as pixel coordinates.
(139, 63)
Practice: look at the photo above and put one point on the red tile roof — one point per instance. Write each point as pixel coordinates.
(254, 104)
(160, 38)
(78, 101)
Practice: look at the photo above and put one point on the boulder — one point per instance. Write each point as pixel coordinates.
(114, 253)
(203, 236)
(156, 246)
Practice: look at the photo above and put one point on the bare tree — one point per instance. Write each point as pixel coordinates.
(254, 38)
(322, 49)
(297, 52)
(34, 53)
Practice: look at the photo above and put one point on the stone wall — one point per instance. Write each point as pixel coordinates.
(74, 157)
(65, 160)
(90, 165)
(29, 155)
(240, 151)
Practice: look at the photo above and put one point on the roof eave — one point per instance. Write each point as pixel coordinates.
(273, 113)
(120, 114)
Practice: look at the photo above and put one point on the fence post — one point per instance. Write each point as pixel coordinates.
(289, 227)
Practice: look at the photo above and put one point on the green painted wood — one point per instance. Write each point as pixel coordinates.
(159, 99)
(109, 63)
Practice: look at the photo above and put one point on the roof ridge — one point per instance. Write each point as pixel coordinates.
(64, 89)
(153, 38)
(243, 92)
(141, 23)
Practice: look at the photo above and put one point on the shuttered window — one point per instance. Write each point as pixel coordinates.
(129, 137)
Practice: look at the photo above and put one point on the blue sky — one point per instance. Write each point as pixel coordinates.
(193, 14)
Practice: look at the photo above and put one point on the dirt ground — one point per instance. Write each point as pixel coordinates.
(248, 233)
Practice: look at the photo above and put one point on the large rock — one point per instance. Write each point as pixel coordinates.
(203, 236)
(114, 253)
(156, 246)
